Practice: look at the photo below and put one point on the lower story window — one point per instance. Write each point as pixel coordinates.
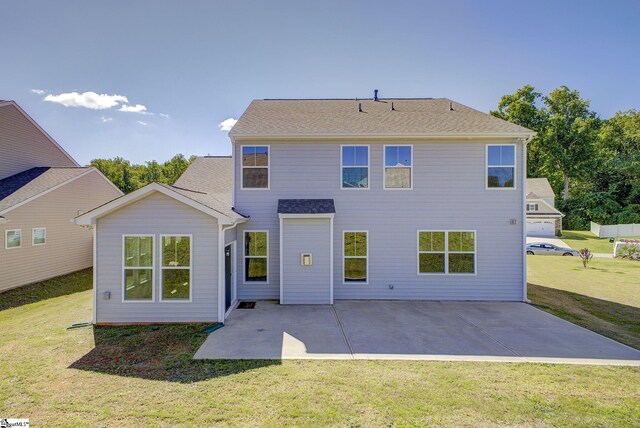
(138, 267)
(256, 256)
(176, 267)
(441, 252)
(355, 250)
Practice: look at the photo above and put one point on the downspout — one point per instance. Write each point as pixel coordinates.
(221, 288)
(525, 141)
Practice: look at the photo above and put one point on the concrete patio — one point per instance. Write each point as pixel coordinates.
(410, 330)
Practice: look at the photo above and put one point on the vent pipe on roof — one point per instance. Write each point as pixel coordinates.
(450, 106)
(360, 107)
(375, 95)
(392, 107)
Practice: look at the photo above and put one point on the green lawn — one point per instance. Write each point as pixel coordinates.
(144, 376)
(604, 298)
(579, 239)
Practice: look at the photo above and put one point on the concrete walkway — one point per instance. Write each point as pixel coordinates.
(403, 330)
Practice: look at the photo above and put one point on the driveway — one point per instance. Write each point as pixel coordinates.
(410, 330)
(560, 243)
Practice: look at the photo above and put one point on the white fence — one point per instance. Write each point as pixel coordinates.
(615, 230)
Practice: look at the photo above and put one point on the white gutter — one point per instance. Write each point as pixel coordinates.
(524, 220)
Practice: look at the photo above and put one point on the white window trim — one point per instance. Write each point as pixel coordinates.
(162, 268)
(384, 167)
(534, 206)
(242, 167)
(487, 166)
(6, 239)
(355, 283)
(33, 236)
(245, 257)
(368, 167)
(153, 268)
(447, 252)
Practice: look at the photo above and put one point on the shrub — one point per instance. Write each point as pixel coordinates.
(628, 252)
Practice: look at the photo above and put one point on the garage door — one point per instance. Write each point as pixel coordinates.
(541, 228)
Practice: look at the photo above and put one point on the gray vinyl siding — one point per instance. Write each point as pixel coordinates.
(68, 247)
(230, 235)
(449, 193)
(157, 214)
(306, 284)
(24, 146)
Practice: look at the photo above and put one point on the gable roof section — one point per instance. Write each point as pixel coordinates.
(544, 209)
(27, 185)
(436, 117)
(39, 128)
(198, 200)
(540, 188)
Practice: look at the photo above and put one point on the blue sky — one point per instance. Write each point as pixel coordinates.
(194, 64)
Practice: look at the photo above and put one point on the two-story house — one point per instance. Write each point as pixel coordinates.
(400, 199)
(42, 188)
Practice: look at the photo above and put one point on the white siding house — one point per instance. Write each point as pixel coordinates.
(417, 199)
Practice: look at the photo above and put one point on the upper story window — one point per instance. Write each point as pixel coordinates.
(501, 166)
(355, 167)
(12, 238)
(38, 236)
(532, 207)
(255, 167)
(398, 167)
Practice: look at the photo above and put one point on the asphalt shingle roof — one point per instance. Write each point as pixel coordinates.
(341, 117)
(540, 187)
(209, 181)
(306, 206)
(24, 185)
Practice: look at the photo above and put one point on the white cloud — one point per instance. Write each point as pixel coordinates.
(105, 119)
(165, 115)
(89, 100)
(227, 124)
(139, 122)
(138, 108)
(37, 91)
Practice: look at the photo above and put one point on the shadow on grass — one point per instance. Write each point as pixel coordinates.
(614, 320)
(75, 282)
(162, 352)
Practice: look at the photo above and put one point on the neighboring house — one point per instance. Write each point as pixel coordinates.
(543, 219)
(419, 199)
(42, 189)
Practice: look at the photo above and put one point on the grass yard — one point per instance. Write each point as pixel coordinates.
(143, 375)
(604, 298)
(579, 239)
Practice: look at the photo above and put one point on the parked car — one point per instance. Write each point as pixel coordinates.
(545, 249)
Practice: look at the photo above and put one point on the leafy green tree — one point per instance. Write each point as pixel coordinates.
(569, 134)
(129, 177)
(618, 153)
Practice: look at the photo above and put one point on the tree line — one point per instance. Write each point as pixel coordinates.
(129, 177)
(593, 163)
